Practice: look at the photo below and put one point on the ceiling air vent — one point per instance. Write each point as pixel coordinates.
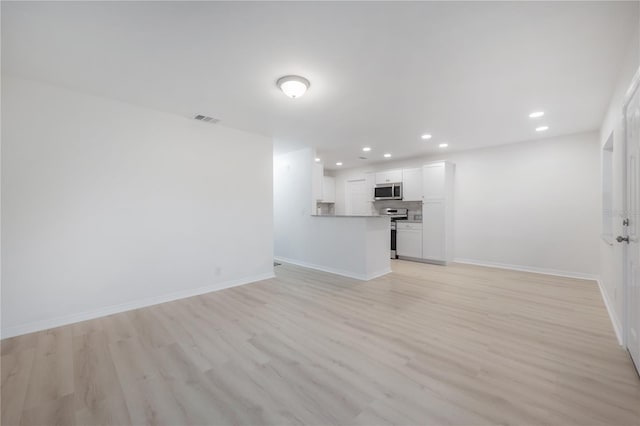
(206, 119)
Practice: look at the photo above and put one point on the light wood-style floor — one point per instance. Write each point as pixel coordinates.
(426, 344)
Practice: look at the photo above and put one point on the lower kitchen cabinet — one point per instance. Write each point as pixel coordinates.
(409, 239)
(434, 218)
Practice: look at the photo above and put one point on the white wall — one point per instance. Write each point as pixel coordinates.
(107, 206)
(612, 254)
(532, 205)
(356, 247)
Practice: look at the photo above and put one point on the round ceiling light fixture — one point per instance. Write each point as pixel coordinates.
(443, 145)
(339, 163)
(293, 86)
(366, 149)
(536, 114)
(542, 128)
(387, 155)
(426, 136)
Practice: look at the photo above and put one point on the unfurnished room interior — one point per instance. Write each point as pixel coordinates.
(320, 213)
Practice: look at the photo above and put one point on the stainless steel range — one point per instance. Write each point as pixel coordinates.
(395, 214)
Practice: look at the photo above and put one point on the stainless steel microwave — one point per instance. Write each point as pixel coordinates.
(391, 191)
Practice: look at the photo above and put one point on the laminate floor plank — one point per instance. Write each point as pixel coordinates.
(426, 344)
(16, 370)
(97, 389)
(52, 374)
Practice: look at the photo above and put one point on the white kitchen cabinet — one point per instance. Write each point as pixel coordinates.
(328, 189)
(370, 179)
(437, 212)
(434, 175)
(412, 184)
(434, 231)
(409, 240)
(389, 176)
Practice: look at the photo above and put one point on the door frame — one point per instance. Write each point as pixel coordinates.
(635, 85)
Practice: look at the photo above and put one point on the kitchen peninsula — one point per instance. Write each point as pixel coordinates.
(352, 246)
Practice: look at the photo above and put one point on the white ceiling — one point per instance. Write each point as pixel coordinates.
(381, 73)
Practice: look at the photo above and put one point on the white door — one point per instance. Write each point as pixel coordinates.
(358, 197)
(632, 258)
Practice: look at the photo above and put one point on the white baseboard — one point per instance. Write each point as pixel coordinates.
(617, 327)
(341, 272)
(428, 261)
(377, 274)
(556, 272)
(128, 306)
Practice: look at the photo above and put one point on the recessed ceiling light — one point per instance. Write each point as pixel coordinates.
(338, 164)
(443, 145)
(317, 160)
(293, 86)
(541, 128)
(387, 155)
(366, 149)
(426, 136)
(536, 114)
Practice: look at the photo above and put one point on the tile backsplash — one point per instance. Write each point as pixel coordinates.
(325, 209)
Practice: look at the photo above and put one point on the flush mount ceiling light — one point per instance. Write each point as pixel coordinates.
(542, 128)
(338, 164)
(426, 136)
(293, 86)
(443, 145)
(387, 155)
(366, 149)
(317, 160)
(536, 114)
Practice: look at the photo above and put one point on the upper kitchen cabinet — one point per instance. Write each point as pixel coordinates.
(389, 176)
(323, 187)
(328, 189)
(434, 182)
(412, 184)
(370, 179)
